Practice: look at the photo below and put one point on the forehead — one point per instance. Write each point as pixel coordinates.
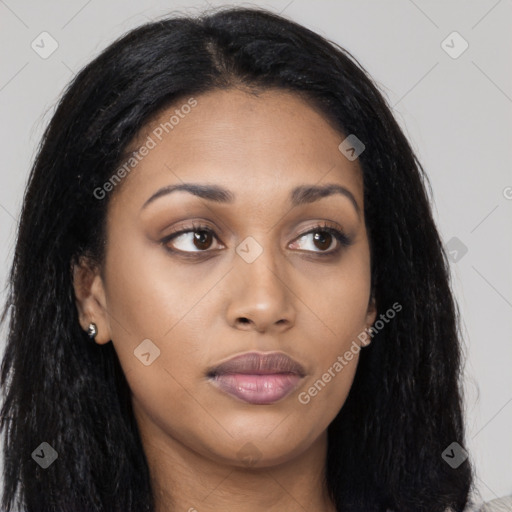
(256, 145)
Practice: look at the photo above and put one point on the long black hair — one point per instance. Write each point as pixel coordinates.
(405, 406)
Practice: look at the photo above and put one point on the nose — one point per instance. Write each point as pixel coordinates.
(261, 297)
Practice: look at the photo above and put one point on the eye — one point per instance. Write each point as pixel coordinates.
(201, 239)
(324, 238)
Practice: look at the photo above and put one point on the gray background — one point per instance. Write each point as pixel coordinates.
(455, 111)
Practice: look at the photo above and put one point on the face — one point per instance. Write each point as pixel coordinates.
(255, 263)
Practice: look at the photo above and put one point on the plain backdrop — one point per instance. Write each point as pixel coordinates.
(444, 67)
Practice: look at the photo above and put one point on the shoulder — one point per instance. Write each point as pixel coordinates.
(498, 505)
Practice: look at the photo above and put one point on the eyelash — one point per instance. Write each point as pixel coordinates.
(342, 238)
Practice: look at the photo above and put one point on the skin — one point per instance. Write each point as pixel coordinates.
(293, 300)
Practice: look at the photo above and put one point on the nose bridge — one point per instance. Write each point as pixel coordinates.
(259, 263)
(261, 297)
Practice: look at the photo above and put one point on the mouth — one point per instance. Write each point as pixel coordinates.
(258, 379)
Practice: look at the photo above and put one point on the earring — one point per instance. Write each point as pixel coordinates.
(92, 331)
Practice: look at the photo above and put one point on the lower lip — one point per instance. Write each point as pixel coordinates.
(257, 389)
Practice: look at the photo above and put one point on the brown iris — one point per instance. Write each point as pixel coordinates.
(201, 237)
(321, 237)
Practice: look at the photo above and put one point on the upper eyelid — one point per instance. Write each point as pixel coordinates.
(316, 227)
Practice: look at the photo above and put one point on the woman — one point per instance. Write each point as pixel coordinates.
(308, 359)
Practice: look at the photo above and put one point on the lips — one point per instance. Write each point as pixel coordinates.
(257, 378)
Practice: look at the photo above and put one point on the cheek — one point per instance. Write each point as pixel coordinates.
(335, 355)
(149, 292)
(157, 339)
(325, 393)
(153, 308)
(339, 299)
(337, 316)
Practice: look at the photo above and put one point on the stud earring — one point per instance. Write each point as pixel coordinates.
(92, 331)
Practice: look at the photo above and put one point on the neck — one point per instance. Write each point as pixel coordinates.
(184, 480)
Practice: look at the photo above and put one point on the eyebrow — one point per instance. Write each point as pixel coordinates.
(303, 194)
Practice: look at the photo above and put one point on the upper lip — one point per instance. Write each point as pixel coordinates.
(254, 363)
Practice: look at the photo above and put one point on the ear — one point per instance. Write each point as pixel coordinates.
(90, 299)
